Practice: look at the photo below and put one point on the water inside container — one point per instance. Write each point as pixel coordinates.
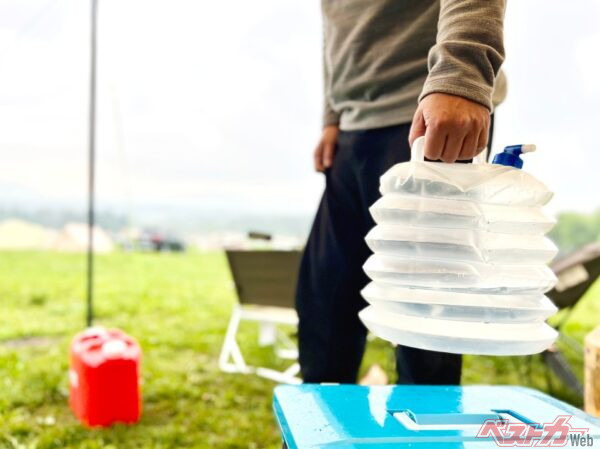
(485, 183)
(411, 210)
(460, 244)
(459, 305)
(460, 276)
(462, 337)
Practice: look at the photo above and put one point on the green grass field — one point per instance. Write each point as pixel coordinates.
(177, 306)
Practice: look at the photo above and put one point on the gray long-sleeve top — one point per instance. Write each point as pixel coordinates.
(382, 56)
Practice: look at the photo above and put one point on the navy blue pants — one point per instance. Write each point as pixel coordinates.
(331, 337)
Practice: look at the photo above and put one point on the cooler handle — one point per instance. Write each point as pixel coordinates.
(455, 421)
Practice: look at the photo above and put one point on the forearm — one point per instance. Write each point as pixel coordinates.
(469, 50)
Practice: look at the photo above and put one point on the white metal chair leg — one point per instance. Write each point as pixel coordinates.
(285, 377)
(288, 350)
(231, 359)
(267, 333)
(293, 370)
(231, 349)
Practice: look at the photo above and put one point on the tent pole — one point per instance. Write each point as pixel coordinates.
(91, 166)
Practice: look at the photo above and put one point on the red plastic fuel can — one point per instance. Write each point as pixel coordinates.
(104, 377)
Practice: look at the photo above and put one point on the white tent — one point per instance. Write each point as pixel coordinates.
(21, 235)
(73, 238)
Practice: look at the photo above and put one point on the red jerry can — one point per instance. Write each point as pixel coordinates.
(104, 377)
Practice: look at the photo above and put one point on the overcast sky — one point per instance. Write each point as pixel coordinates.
(218, 104)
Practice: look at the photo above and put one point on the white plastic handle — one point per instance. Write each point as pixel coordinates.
(418, 152)
(481, 158)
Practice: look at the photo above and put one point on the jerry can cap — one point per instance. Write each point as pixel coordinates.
(113, 348)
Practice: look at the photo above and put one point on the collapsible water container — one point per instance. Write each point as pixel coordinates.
(460, 257)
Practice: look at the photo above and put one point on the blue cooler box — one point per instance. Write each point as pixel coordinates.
(419, 417)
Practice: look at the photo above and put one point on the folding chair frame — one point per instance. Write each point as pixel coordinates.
(231, 359)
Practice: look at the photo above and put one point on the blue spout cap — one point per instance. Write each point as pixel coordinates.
(511, 155)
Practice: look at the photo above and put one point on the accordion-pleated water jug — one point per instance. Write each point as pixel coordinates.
(460, 257)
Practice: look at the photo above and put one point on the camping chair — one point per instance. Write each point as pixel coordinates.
(576, 273)
(265, 282)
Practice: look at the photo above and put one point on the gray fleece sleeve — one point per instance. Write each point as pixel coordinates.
(469, 50)
(330, 117)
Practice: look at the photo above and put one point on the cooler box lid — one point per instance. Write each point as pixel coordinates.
(439, 417)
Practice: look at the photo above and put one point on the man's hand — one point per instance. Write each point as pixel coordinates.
(454, 128)
(325, 150)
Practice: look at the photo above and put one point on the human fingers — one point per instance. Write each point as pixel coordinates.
(318, 158)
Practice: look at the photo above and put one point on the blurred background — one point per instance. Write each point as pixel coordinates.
(207, 117)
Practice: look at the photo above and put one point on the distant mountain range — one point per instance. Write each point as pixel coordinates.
(181, 219)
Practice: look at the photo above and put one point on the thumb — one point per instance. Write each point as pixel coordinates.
(417, 128)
